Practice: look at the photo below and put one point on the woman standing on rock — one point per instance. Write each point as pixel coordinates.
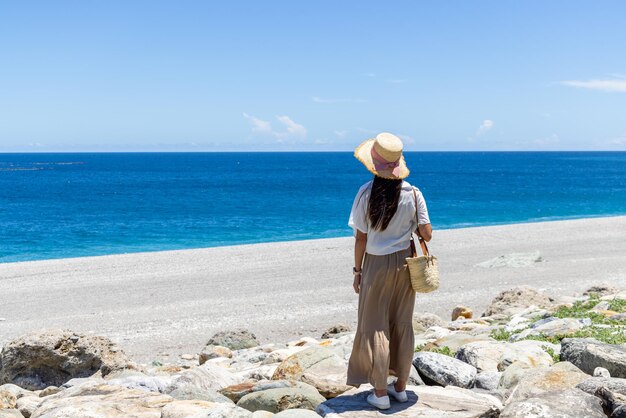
(383, 217)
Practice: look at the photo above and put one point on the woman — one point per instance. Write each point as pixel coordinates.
(383, 217)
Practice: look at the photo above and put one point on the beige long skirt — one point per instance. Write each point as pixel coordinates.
(384, 343)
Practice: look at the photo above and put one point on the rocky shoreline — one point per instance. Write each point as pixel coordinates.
(528, 354)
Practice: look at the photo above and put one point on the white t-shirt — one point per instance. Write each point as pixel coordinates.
(398, 233)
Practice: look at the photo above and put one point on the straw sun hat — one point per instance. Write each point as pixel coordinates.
(383, 156)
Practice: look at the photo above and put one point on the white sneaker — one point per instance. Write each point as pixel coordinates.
(398, 396)
(380, 403)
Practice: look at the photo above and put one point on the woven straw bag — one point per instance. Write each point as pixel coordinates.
(423, 269)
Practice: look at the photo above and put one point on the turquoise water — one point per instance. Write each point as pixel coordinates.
(70, 205)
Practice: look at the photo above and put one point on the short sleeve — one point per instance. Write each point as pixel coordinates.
(358, 214)
(422, 210)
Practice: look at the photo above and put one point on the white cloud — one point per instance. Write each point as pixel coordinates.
(484, 127)
(292, 130)
(612, 85)
(259, 125)
(321, 100)
(341, 134)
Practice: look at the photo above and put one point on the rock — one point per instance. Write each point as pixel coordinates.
(7, 400)
(487, 380)
(601, 289)
(102, 400)
(612, 403)
(317, 366)
(28, 404)
(414, 377)
(425, 320)
(601, 372)
(515, 260)
(444, 370)
(52, 357)
(561, 376)
(512, 376)
(483, 355)
(15, 390)
(556, 404)
(455, 341)
(334, 330)
(235, 340)
(190, 393)
(197, 408)
(203, 377)
(514, 300)
(267, 414)
(424, 401)
(553, 327)
(461, 311)
(296, 413)
(133, 379)
(77, 381)
(236, 392)
(587, 354)
(214, 351)
(527, 351)
(279, 399)
(50, 390)
(10, 413)
(592, 384)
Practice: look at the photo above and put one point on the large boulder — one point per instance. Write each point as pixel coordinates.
(483, 355)
(204, 377)
(424, 401)
(275, 400)
(512, 301)
(204, 409)
(592, 384)
(553, 327)
(234, 340)
(535, 381)
(587, 354)
(133, 379)
(444, 370)
(556, 404)
(320, 367)
(102, 400)
(424, 320)
(236, 392)
(54, 356)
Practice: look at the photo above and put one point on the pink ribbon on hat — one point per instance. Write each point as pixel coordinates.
(381, 164)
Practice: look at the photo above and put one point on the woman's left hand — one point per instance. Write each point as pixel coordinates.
(357, 283)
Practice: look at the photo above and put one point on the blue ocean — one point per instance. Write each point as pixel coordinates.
(72, 205)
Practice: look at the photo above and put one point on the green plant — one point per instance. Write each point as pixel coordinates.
(445, 350)
(500, 334)
(555, 357)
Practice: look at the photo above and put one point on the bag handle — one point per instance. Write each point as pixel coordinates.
(417, 232)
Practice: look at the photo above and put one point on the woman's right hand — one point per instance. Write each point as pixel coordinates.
(357, 283)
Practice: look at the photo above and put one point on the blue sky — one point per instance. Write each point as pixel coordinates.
(318, 76)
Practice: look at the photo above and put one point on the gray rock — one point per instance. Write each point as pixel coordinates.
(279, 399)
(425, 320)
(444, 370)
(592, 384)
(535, 381)
(334, 330)
(517, 299)
(190, 392)
(483, 355)
(487, 380)
(207, 376)
(587, 354)
(28, 404)
(296, 413)
(236, 392)
(554, 327)
(601, 372)
(235, 340)
(556, 404)
(424, 401)
(320, 367)
(15, 390)
(138, 380)
(52, 357)
(201, 409)
(527, 351)
(10, 413)
(214, 351)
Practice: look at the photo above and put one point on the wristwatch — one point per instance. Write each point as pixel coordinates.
(355, 271)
